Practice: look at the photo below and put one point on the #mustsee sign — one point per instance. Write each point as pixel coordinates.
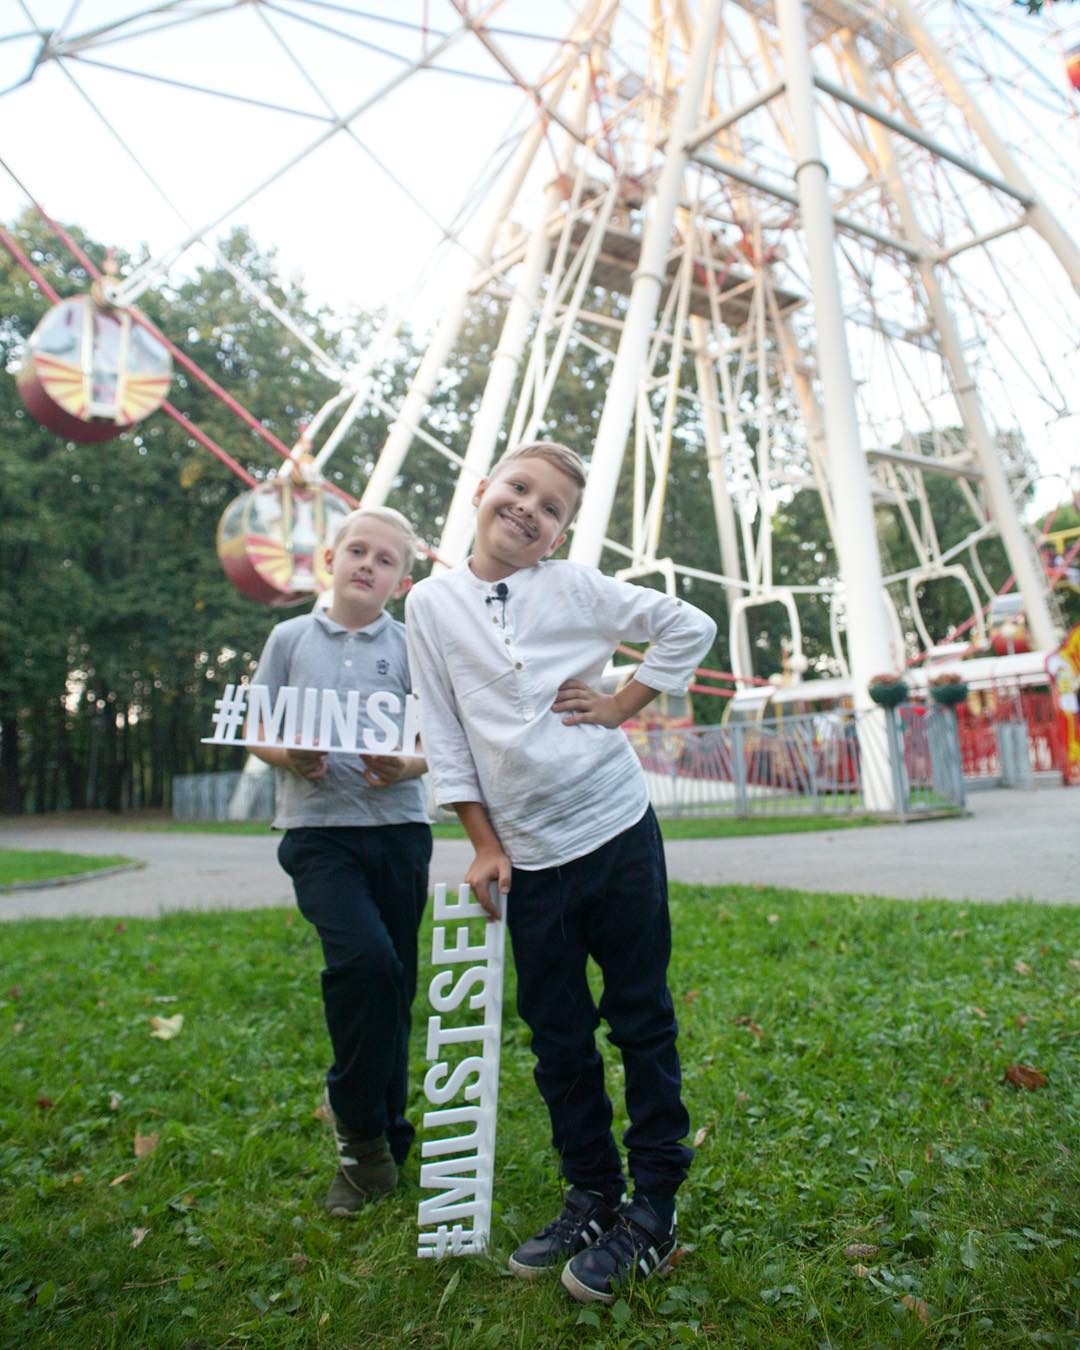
(316, 719)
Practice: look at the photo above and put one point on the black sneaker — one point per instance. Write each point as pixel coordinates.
(636, 1247)
(585, 1217)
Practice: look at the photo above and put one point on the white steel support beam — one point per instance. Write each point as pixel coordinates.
(1041, 217)
(414, 405)
(869, 647)
(506, 359)
(1022, 556)
(648, 283)
(727, 534)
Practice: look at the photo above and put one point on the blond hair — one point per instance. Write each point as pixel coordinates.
(566, 460)
(390, 517)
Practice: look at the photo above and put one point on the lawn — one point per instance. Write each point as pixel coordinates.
(864, 1176)
(683, 827)
(18, 866)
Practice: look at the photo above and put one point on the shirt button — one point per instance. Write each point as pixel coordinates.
(518, 665)
(507, 641)
(494, 619)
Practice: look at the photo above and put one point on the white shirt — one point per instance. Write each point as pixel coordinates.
(487, 675)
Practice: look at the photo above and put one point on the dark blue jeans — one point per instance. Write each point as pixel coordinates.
(611, 905)
(364, 888)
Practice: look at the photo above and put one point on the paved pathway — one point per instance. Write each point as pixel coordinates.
(1015, 844)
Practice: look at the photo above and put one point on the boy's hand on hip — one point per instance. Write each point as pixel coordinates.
(490, 865)
(309, 764)
(583, 704)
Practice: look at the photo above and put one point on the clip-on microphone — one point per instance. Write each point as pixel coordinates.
(501, 593)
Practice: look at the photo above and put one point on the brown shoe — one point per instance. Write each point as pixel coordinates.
(365, 1170)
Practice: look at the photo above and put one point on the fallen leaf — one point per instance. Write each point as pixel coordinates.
(101, 1003)
(917, 1306)
(741, 1097)
(290, 919)
(978, 1012)
(16, 1027)
(120, 928)
(701, 1136)
(321, 1112)
(773, 918)
(1021, 968)
(124, 1176)
(145, 1144)
(114, 1101)
(1022, 1019)
(165, 1028)
(14, 992)
(1024, 1076)
(860, 1270)
(692, 996)
(324, 1319)
(860, 1251)
(678, 1255)
(137, 1235)
(743, 1021)
(1073, 963)
(960, 932)
(46, 1103)
(299, 1260)
(928, 1153)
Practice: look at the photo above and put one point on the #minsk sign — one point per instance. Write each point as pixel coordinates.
(316, 719)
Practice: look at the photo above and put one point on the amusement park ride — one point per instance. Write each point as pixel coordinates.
(811, 238)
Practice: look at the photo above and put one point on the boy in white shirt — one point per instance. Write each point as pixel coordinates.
(506, 652)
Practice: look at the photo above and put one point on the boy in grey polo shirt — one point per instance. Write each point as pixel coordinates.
(357, 845)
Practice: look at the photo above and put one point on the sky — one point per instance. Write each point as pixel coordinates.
(363, 218)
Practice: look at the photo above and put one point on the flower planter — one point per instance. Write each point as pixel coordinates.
(889, 695)
(949, 695)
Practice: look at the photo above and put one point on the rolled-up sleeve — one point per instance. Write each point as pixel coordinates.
(679, 634)
(446, 747)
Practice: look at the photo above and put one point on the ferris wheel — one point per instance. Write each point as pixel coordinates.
(834, 233)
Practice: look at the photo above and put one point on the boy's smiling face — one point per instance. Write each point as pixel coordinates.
(369, 567)
(521, 516)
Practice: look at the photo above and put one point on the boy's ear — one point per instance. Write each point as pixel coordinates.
(556, 545)
(328, 555)
(405, 584)
(481, 488)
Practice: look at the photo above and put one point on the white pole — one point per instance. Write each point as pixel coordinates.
(708, 396)
(1041, 217)
(506, 359)
(411, 412)
(1028, 573)
(856, 537)
(648, 282)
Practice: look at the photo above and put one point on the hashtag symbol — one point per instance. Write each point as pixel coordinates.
(229, 713)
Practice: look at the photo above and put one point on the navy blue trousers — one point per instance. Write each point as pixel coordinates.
(364, 888)
(611, 905)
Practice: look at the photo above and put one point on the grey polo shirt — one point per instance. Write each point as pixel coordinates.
(313, 651)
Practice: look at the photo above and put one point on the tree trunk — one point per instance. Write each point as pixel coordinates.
(10, 786)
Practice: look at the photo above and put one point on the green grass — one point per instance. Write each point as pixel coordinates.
(843, 1063)
(18, 866)
(681, 827)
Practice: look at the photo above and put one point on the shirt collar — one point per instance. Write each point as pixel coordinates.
(335, 629)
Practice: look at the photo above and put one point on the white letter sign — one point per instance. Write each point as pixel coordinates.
(458, 1149)
(243, 716)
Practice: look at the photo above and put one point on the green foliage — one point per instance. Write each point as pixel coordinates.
(843, 1061)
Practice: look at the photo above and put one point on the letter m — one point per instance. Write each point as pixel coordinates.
(459, 1193)
(271, 728)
